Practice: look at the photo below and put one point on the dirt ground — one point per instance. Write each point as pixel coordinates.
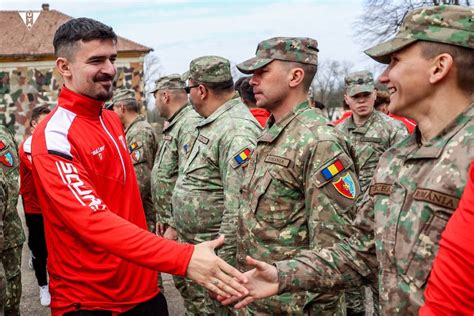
(30, 304)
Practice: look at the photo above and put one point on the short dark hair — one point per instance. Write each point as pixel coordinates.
(309, 72)
(463, 59)
(80, 29)
(37, 112)
(131, 105)
(245, 89)
(218, 87)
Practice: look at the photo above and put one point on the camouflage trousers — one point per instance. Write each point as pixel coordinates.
(11, 259)
(299, 303)
(3, 290)
(197, 300)
(355, 301)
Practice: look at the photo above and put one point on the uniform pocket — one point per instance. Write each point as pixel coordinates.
(260, 190)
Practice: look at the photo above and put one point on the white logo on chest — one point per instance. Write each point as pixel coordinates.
(98, 151)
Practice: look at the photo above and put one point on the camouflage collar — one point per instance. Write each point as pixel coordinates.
(178, 115)
(221, 110)
(273, 129)
(435, 147)
(351, 126)
(138, 119)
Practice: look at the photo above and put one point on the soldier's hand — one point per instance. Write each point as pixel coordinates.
(160, 228)
(262, 283)
(213, 273)
(170, 233)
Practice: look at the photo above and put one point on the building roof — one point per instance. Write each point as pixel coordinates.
(18, 40)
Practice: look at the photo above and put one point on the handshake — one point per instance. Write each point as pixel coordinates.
(228, 284)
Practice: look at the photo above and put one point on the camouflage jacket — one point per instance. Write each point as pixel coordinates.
(290, 203)
(415, 189)
(9, 162)
(3, 209)
(171, 155)
(206, 196)
(142, 145)
(371, 140)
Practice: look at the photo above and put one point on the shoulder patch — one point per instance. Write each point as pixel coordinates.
(133, 146)
(346, 186)
(285, 162)
(135, 155)
(243, 156)
(7, 159)
(332, 170)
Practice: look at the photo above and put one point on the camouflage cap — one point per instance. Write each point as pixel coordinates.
(213, 69)
(120, 95)
(357, 82)
(172, 81)
(296, 49)
(449, 24)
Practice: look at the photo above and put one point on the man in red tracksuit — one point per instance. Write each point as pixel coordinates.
(33, 216)
(102, 260)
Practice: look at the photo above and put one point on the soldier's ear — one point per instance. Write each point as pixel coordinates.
(64, 67)
(203, 91)
(296, 77)
(441, 67)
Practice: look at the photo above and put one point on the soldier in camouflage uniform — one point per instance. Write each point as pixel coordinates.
(418, 182)
(3, 210)
(14, 237)
(206, 196)
(371, 133)
(142, 144)
(301, 179)
(172, 103)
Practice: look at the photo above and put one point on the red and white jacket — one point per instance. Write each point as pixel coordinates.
(100, 254)
(27, 185)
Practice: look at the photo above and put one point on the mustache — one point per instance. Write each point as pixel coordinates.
(103, 77)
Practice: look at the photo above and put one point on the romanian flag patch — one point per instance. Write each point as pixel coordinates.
(330, 171)
(243, 156)
(132, 147)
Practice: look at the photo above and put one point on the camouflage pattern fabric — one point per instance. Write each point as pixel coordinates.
(449, 24)
(415, 189)
(13, 233)
(173, 81)
(3, 209)
(172, 153)
(299, 185)
(357, 82)
(371, 140)
(210, 69)
(295, 49)
(206, 196)
(11, 259)
(143, 145)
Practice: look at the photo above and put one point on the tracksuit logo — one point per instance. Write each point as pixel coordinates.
(70, 177)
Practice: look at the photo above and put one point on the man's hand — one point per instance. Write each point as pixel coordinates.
(262, 283)
(213, 273)
(170, 233)
(160, 229)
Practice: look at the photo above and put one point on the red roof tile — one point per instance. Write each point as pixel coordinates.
(16, 40)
